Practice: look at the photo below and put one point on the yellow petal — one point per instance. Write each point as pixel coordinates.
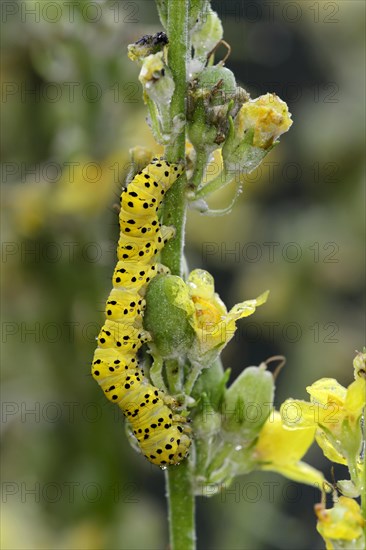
(356, 395)
(279, 449)
(244, 309)
(268, 115)
(327, 390)
(201, 284)
(296, 413)
(343, 522)
(329, 451)
(300, 472)
(213, 325)
(280, 445)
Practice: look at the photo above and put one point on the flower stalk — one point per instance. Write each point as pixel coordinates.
(179, 481)
(175, 205)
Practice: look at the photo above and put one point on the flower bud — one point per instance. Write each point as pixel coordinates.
(216, 84)
(167, 316)
(207, 422)
(197, 13)
(248, 402)
(156, 79)
(254, 131)
(213, 97)
(359, 365)
(206, 34)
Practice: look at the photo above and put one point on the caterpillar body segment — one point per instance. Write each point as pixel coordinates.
(162, 436)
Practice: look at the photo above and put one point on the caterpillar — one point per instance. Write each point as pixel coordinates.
(161, 434)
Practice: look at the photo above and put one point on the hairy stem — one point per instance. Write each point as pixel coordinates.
(181, 507)
(200, 167)
(174, 212)
(178, 478)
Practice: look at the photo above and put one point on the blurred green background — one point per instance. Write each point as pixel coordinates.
(72, 108)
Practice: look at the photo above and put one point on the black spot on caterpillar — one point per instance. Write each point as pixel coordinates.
(160, 434)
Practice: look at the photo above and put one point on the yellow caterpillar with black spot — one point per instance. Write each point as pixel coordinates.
(161, 434)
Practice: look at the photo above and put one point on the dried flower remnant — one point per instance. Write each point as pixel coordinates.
(341, 526)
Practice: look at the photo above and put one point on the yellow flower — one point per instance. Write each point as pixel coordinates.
(341, 526)
(268, 116)
(280, 449)
(336, 414)
(254, 131)
(213, 324)
(30, 206)
(86, 186)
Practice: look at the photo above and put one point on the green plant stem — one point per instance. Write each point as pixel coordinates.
(192, 378)
(222, 180)
(200, 167)
(181, 507)
(173, 373)
(175, 204)
(179, 482)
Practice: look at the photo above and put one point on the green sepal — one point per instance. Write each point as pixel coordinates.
(207, 421)
(162, 7)
(218, 83)
(198, 10)
(248, 402)
(202, 134)
(206, 33)
(212, 381)
(239, 154)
